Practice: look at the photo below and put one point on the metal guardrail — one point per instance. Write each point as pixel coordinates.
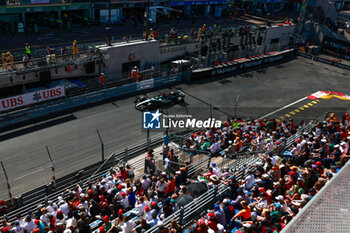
(30, 199)
(38, 195)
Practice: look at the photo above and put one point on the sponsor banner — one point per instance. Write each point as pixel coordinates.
(330, 62)
(193, 3)
(249, 63)
(31, 98)
(234, 66)
(39, 1)
(305, 55)
(145, 84)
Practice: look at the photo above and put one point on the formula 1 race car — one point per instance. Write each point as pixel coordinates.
(144, 103)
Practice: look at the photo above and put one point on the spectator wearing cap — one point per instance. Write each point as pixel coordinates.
(64, 207)
(161, 228)
(283, 203)
(38, 212)
(154, 207)
(212, 222)
(216, 170)
(229, 211)
(40, 225)
(124, 201)
(45, 216)
(220, 215)
(161, 187)
(147, 213)
(17, 228)
(178, 179)
(83, 223)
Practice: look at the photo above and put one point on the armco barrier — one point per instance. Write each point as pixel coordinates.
(38, 195)
(82, 100)
(229, 67)
(324, 60)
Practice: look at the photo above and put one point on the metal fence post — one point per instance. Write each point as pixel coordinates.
(52, 167)
(102, 145)
(181, 216)
(215, 194)
(211, 111)
(148, 140)
(126, 154)
(8, 184)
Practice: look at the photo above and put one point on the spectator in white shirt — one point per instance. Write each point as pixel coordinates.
(140, 207)
(249, 180)
(29, 224)
(216, 170)
(125, 201)
(128, 225)
(147, 214)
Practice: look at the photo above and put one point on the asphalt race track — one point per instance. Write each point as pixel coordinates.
(74, 144)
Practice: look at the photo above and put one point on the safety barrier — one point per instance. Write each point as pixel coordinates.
(29, 200)
(82, 100)
(241, 64)
(324, 60)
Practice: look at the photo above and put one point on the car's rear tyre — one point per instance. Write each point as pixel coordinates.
(180, 100)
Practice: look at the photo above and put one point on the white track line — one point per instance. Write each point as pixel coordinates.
(271, 113)
(30, 173)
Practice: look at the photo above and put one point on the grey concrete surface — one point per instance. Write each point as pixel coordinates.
(74, 144)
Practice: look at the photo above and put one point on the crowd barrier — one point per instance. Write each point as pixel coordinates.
(324, 60)
(29, 200)
(241, 64)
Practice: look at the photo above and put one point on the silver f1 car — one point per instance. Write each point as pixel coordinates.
(143, 103)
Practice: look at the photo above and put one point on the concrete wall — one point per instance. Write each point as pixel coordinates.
(282, 32)
(147, 52)
(172, 52)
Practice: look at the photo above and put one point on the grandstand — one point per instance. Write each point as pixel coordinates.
(93, 198)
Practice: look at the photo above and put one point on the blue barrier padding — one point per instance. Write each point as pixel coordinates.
(81, 100)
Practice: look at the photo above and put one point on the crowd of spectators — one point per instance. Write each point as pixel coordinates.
(279, 187)
(266, 200)
(339, 25)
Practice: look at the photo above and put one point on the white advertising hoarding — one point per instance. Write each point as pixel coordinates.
(31, 98)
